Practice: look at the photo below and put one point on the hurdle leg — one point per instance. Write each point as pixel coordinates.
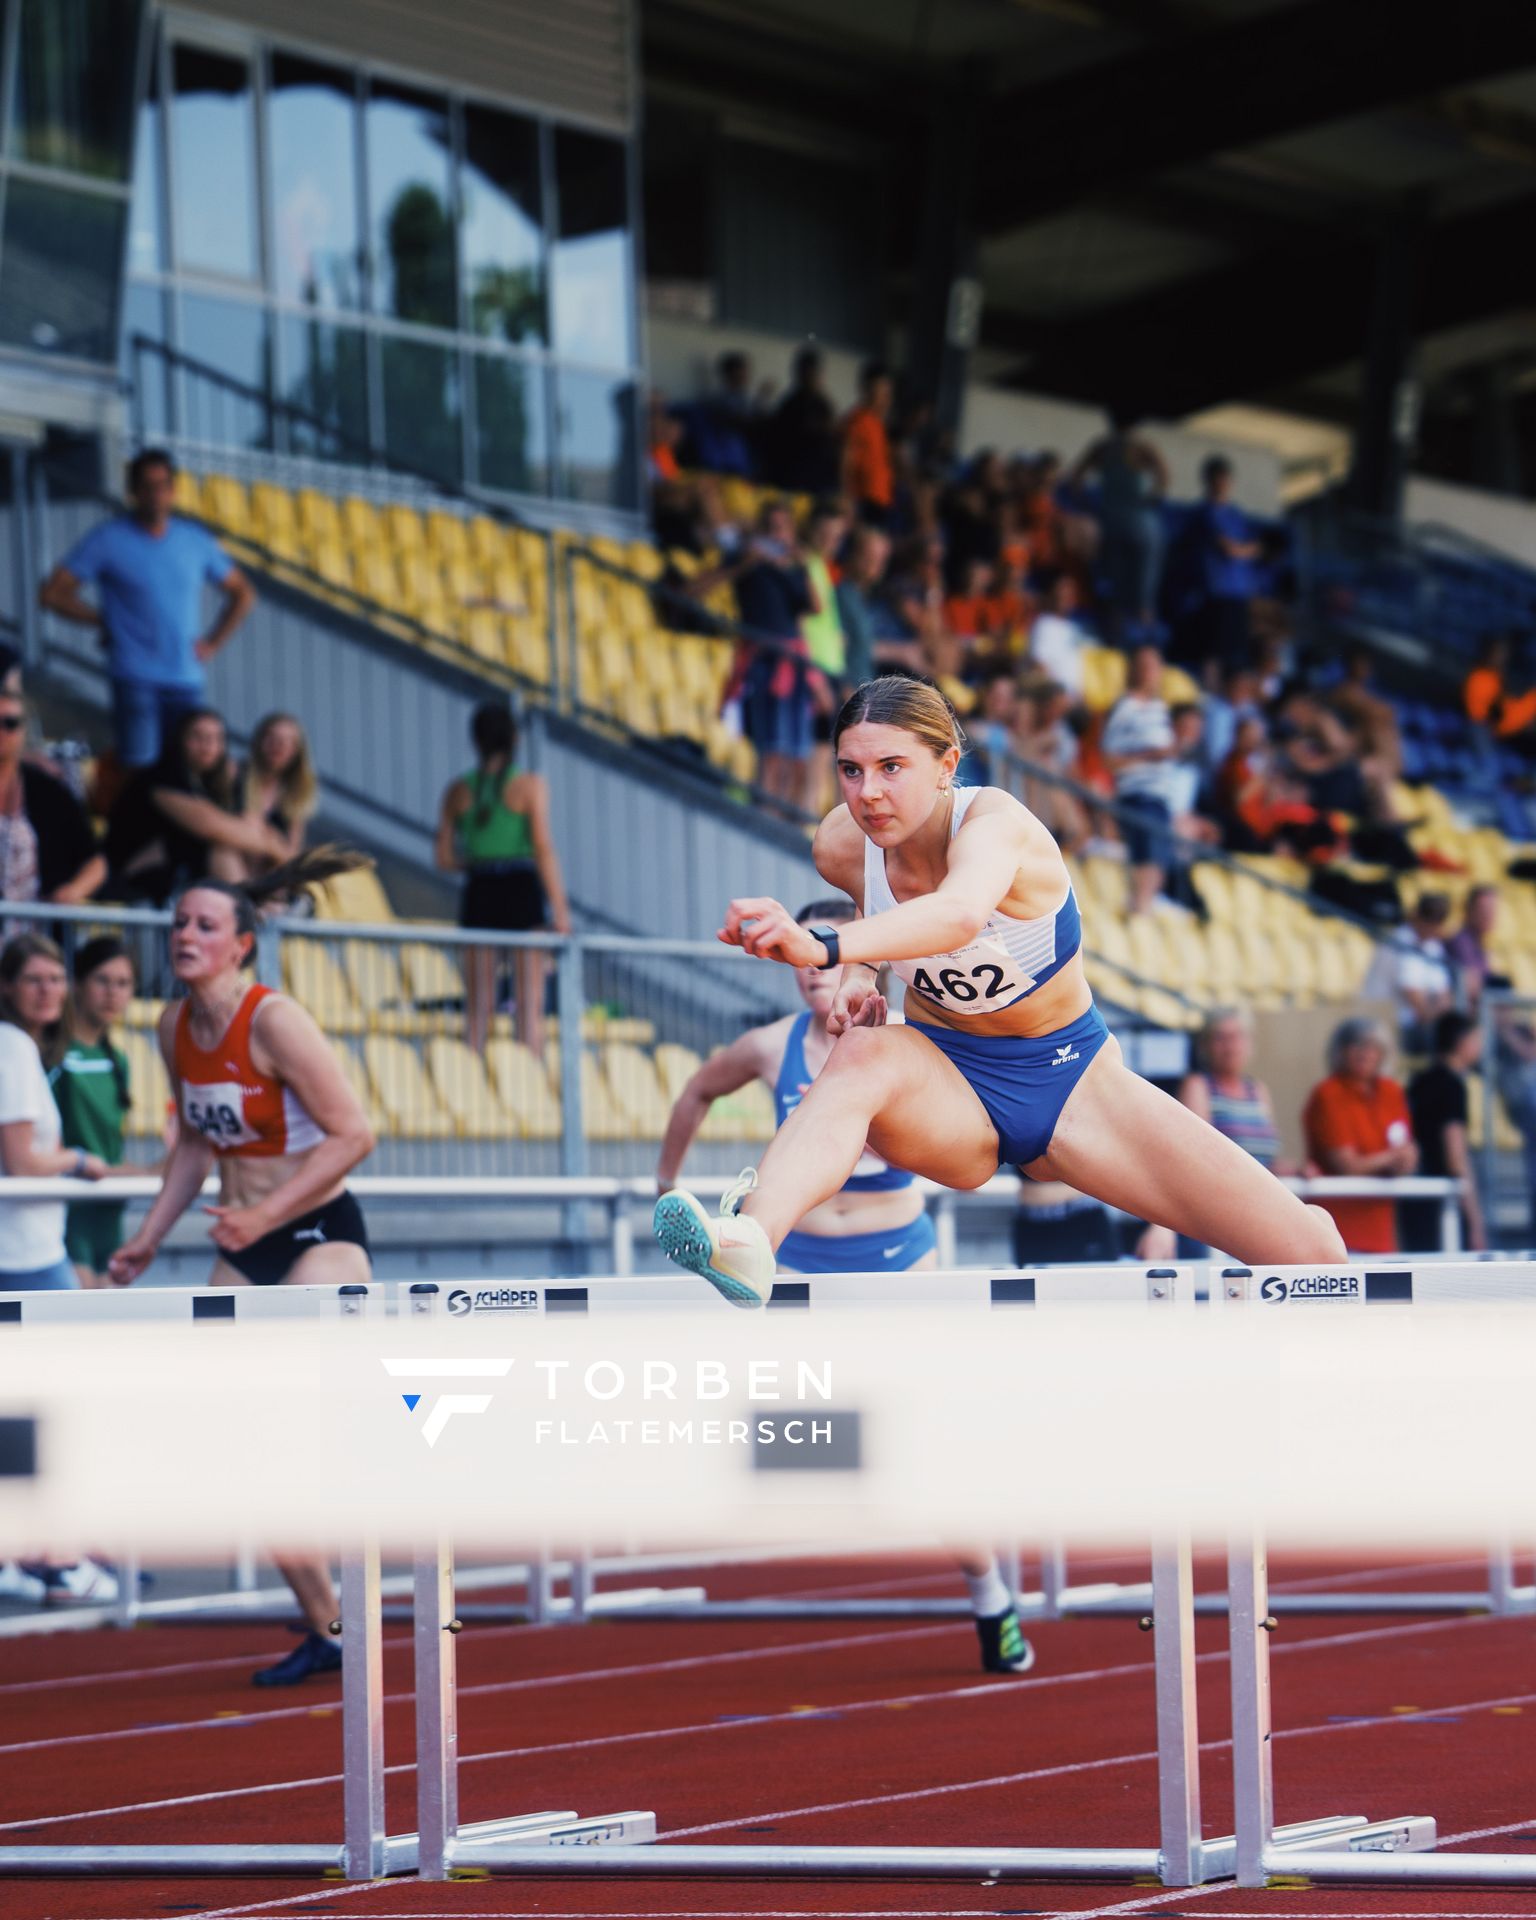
(362, 1716)
(1178, 1739)
(1253, 1784)
(437, 1725)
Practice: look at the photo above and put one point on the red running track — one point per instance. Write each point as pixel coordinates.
(834, 1733)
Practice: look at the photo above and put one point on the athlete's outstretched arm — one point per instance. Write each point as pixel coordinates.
(734, 1067)
(984, 856)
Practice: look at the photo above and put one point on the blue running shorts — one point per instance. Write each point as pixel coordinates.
(1022, 1083)
(890, 1252)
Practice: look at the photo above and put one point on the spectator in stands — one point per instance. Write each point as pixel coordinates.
(1229, 555)
(800, 441)
(1223, 1091)
(47, 848)
(149, 568)
(971, 529)
(1043, 738)
(1133, 480)
(1241, 771)
(1010, 606)
(1274, 815)
(1413, 970)
(1139, 749)
(33, 988)
(1039, 514)
(1186, 786)
(968, 611)
(664, 437)
(1491, 701)
(916, 593)
(1437, 1104)
(1357, 1124)
(864, 562)
(1371, 719)
(1226, 1095)
(91, 1088)
(773, 595)
(719, 431)
(278, 785)
(1467, 949)
(868, 477)
(1058, 644)
(494, 829)
(991, 733)
(822, 632)
(10, 669)
(180, 820)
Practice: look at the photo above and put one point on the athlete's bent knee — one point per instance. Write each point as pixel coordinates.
(1324, 1241)
(866, 1051)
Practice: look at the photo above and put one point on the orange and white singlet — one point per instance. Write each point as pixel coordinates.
(223, 1097)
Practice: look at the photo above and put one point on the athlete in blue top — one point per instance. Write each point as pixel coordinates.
(1003, 1057)
(876, 1221)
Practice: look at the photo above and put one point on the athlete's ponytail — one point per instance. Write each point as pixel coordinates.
(907, 701)
(294, 879)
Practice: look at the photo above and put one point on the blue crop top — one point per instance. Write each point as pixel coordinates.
(871, 1175)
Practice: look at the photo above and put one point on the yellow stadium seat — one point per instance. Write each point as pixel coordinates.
(1506, 1136)
(631, 1074)
(319, 519)
(358, 897)
(144, 1014)
(404, 530)
(523, 1088)
(675, 1067)
(226, 501)
(189, 494)
(275, 520)
(747, 1115)
(149, 1087)
(378, 985)
(361, 523)
(435, 981)
(405, 1089)
(464, 1089)
(379, 1116)
(313, 975)
(602, 1116)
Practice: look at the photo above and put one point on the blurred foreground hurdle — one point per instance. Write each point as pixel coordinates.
(484, 1431)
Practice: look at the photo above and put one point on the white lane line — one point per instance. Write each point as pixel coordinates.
(1090, 1766)
(1009, 1690)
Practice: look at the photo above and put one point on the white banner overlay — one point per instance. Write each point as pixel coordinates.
(1415, 1425)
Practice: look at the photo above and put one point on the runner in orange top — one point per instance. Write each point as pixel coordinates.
(260, 1095)
(867, 477)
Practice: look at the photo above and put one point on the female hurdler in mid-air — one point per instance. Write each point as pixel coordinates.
(1003, 1059)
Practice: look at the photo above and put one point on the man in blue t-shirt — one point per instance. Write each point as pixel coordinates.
(150, 569)
(1229, 561)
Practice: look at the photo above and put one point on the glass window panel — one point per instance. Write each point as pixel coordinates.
(503, 226)
(511, 430)
(410, 184)
(145, 372)
(422, 407)
(146, 221)
(231, 338)
(214, 177)
(594, 302)
(73, 102)
(312, 126)
(60, 254)
(326, 373)
(597, 439)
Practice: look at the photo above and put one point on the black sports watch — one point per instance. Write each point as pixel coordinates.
(828, 938)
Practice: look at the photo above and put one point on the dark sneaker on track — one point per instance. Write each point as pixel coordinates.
(1003, 1646)
(315, 1654)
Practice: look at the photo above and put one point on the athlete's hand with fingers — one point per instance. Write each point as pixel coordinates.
(235, 1228)
(857, 1003)
(130, 1260)
(770, 932)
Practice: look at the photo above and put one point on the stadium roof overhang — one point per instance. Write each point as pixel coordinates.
(1176, 203)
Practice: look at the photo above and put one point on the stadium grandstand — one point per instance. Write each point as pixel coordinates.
(1245, 384)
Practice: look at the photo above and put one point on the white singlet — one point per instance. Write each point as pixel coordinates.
(1008, 959)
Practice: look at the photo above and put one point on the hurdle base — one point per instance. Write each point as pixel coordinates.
(878, 1863)
(248, 1858)
(480, 1846)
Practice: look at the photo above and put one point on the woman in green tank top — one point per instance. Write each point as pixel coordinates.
(90, 1087)
(494, 829)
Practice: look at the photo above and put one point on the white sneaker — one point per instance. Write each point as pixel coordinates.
(730, 1250)
(87, 1583)
(17, 1584)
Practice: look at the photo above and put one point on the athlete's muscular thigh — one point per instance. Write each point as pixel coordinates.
(342, 1264)
(931, 1121)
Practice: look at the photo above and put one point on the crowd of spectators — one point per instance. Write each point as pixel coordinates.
(998, 576)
